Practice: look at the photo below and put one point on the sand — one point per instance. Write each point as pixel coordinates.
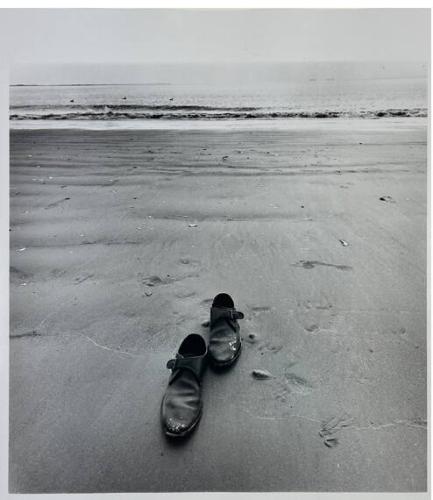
(341, 327)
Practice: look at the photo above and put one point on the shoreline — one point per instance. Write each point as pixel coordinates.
(251, 124)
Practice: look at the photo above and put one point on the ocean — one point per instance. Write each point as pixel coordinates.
(253, 94)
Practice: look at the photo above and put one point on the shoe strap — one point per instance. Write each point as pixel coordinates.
(237, 314)
(193, 364)
(227, 312)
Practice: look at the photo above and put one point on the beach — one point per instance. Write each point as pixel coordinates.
(119, 240)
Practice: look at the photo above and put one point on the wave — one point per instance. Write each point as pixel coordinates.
(192, 112)
(144, 107)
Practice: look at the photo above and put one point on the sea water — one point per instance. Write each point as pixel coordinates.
(207, 95)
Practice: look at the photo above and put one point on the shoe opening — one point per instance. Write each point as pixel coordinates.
(223, 300)
(193, 345)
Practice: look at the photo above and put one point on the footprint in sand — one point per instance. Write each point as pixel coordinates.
(332, 427)
(318, 318)
(185, 294)
(262, 346)
(155, 280)
(255, 311)
(152, 280)
(297, 384)
(81, 279)
(324, 324)
(361, 370)
(270, 347)
(309, 305)
(311, 264)
(330, 442)
(399, 331)
(291, 383)
(189, 268)
(312, 328)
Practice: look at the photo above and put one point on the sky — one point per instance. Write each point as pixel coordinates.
(100, 37)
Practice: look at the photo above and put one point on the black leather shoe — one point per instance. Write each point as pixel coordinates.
(181, 405)
(224, 339)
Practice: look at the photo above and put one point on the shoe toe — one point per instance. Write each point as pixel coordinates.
(224, 352)
(176, 427)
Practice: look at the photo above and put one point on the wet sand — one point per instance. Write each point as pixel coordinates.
(96, 216)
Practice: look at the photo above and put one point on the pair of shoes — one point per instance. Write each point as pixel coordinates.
(182, 405)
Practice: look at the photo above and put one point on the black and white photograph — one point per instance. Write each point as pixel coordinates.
(218, 237)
